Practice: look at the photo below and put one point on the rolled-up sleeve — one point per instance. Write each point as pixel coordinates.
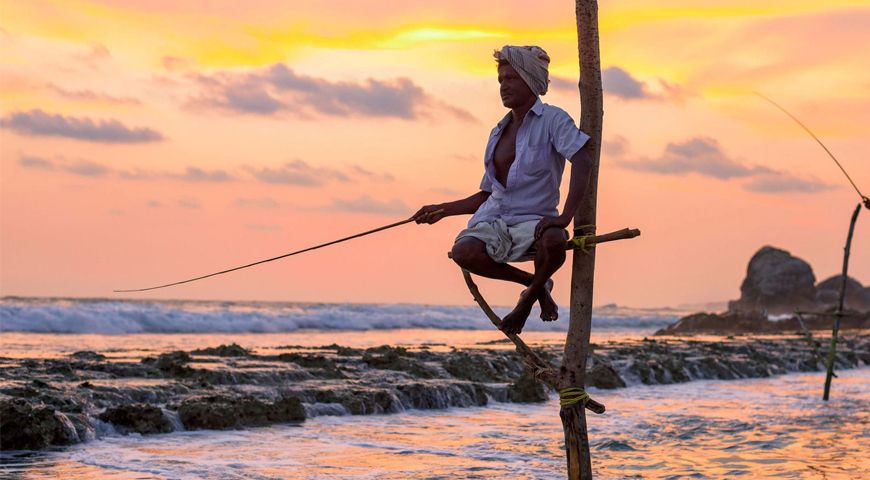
(567, 138)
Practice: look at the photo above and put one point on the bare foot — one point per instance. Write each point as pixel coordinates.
(549, 309)
(516, 320)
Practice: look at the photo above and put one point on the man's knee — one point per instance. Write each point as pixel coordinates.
(467, 252)
(552, 240)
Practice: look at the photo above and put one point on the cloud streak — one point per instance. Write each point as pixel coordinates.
(92, 96)
(90, 168)
(262, 202)
(619, 82)
(29, 161)
(701, 155)
(367, 204)
(36, 122)
(196, 174)
(278, 89)
(704, 156)
(297, 172)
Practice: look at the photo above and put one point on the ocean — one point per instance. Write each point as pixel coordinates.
(775, 427)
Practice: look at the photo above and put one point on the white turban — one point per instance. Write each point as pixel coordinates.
(530, 62)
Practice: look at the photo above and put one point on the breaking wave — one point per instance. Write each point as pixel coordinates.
(57, 315)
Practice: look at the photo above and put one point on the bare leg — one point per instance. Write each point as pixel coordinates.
(549, 257)
(470, 254)
(549, 308)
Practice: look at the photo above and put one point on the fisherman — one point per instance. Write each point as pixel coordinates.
(515, 215)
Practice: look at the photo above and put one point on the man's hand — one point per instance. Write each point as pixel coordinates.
(429, 214)
(551, 222)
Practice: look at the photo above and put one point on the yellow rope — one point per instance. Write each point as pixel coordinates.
(571, 395)
(580, 241)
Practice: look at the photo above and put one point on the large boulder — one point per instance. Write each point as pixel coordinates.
(27, 427)
(776, 282)
(857, 296)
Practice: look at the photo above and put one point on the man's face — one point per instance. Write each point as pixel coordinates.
(514, 91)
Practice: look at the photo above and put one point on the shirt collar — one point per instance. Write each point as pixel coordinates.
(537, 109)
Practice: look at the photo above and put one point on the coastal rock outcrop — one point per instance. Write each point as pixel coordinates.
(776, 282)
(756, 322)
(857, 295)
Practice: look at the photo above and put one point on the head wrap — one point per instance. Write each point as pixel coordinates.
(530, 62)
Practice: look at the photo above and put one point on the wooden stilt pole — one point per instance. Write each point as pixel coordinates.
(832, 353)
(573, 370)
(808, 336)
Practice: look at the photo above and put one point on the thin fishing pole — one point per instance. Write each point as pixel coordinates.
(385, 227)
(865, 199)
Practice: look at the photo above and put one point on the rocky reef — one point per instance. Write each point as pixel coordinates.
(62, 401)
(729, 323)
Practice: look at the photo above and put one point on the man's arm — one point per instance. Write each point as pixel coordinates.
(469, 205)
(581, 164)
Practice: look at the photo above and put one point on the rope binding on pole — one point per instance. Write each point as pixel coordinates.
(572, 395)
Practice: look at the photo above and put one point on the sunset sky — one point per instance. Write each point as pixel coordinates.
(144, 142)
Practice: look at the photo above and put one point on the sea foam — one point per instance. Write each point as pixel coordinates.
(57, 315)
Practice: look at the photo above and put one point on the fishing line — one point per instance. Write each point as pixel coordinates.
(368, 232)
(863, 198)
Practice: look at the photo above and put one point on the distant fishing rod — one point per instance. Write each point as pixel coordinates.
(368, 232)
(863, 197)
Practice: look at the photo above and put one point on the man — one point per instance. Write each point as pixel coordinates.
(515, 211)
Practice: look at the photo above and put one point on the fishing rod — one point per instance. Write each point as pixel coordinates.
(362, 234)
(863, 197)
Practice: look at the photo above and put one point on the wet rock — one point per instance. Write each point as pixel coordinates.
(757, 322)
(527, 390)
(22, 391)
(88, 355)
(395, 359)
(172, 363)
(359, 400)
(729, 322)
(82, 425)
(776, 282)
(232, 350)
(440, 395)
(343, 351)
(221, 412)
(60, 367)
(25, 427)
(857, 296)
(601, 375)
(37, 383)
(486, 368)
(323, 367)
(138, 417)
(384, 349)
